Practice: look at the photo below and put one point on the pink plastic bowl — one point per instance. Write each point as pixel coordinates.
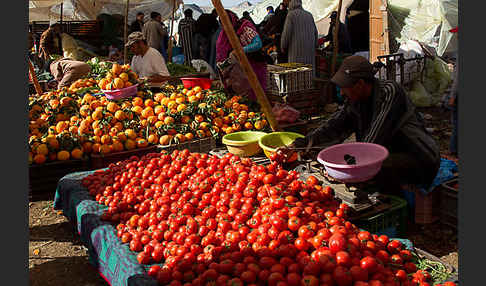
(369, 158)
(190, 82)
(117, 94)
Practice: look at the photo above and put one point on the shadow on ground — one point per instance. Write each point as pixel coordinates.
(74, 270)
(59, 232)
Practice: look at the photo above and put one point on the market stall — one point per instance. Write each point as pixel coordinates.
(125, 257)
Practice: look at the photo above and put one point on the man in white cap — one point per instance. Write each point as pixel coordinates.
(148, 62)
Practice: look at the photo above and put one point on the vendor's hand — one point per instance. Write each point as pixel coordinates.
(283, 153)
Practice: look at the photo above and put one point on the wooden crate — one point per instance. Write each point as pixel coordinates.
(309, 103)
(283, 81)
(43, 178)
(203, 145)
(102, 161)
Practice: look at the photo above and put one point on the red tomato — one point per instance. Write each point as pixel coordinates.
(309, 280)
(369, 263)
(337, 242)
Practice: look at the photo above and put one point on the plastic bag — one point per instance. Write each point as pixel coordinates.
(233, 77)
(201, 65)
(284, 113)
(179, 59)
(410, 49)
(419, 95)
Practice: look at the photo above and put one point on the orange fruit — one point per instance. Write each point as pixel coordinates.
(53, 143)
(121, 136)
(105, 149)
(63, 155)
(105, 139)
(159, 109)
(116, 69)
(117, 146)
(39, 159)
(165, 140)
(112, 107)
(77, 153)
(131, 134)
(141, 142)
(42, 149)
(137, 101)
(84, 110)
(123, 76)
(96, 139)
(87, 147)
(152, 119)
(149, 102)
(159, 124)
(130, 144)
(147, 112)
(118, 83)
(137, 109)
(153, 139)
(96, 148)
(180, 137)
(97, 115)
(159, 96)
(189, 136)
(102, 84)
(169, 120)
(127, 84)
(61, 126)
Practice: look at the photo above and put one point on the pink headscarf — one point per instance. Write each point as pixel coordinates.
(244, 30)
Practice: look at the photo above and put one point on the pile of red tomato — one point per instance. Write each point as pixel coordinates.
(203, 220)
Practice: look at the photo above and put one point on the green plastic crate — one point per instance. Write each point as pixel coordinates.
(392, 219)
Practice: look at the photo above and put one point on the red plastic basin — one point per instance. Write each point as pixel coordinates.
(190, 82)
(369, 158)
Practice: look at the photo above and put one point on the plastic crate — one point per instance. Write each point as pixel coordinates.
(282, 80)
(448, 203)
(392, 221)
(203, 145)
(102, 161)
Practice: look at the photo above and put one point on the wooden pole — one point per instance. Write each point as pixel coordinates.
(334, 52)
(245, 64)
(37, 86)
(335, 39)
(125, 35)
(169, 48)
(62, 8)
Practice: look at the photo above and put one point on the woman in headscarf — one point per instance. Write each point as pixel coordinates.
(299, 36)
(252, 46)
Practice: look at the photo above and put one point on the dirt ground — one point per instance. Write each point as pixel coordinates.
(57, 257)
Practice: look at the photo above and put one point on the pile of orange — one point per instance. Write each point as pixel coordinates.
(67, 124)
(120, 76)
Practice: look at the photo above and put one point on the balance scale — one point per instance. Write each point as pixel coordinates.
(358, 196)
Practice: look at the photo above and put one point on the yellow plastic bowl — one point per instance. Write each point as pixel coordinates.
(272, 141)
(244, 143)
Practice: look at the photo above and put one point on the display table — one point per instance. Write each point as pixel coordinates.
(114, 260)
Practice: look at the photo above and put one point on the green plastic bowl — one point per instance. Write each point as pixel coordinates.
(272, 141)
(244, 143)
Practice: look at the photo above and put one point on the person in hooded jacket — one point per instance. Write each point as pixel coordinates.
(299, 36)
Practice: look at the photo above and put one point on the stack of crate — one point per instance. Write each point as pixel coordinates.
(292, 83)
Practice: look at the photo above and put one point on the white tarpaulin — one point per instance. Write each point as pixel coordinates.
(50, 10)
(426, 21)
